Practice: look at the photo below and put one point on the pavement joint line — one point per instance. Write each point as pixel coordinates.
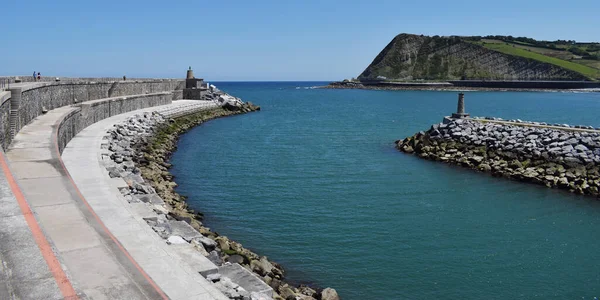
(63, 282)
(96, 217)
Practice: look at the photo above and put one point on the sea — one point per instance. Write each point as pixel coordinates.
(313, 182)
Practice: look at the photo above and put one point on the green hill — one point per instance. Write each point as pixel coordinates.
(410, 57)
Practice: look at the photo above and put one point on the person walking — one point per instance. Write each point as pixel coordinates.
(39, 76)
(34, 76)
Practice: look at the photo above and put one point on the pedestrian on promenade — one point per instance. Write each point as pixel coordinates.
(39, 76)
(33, 75)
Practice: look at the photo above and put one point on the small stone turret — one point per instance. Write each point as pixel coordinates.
(190, 74)
(195, 88)
(460, 110)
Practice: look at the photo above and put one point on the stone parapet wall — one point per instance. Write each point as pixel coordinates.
(29, 78)
(94, 111)
(5, 134)
(195, 93)
(136, 88)
(68, 128)
(178, 94)
(37, 99)
(561, 158)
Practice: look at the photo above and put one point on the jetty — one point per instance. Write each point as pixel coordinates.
(555, 155)
(68, 229)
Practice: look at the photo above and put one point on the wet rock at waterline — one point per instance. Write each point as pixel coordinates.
(560, 158)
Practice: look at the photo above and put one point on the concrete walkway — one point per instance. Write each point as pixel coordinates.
(176, 274)
(29, 266)
(24, 271)
(94, 262)
(82, 258)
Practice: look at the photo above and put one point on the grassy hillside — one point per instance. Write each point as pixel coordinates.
(410, 57)
(542, 55)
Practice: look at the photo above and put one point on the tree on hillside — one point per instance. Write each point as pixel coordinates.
(593, 47)
(578, 51)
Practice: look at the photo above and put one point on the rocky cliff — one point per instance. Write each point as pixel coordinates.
(414, 57)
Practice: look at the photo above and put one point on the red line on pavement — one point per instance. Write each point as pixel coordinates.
(89, 207)
(65, 286)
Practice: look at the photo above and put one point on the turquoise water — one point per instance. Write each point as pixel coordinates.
(313, 181)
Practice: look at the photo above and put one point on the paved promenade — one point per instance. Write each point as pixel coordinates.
(29, 266)
(58, 240)
(95, 263)
(166, 265)
(25, 272)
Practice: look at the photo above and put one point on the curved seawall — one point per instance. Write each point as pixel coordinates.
(44, 118)
(92, 256)
(91, 112)
(104, 244)
(176, 269)
(29, 100)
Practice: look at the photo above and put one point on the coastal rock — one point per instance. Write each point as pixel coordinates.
(307, 291)
(113, 172)
(160, 209)
(223, 243)
(149, 198)
(235, 259)
(231, 289)
(234, 246)
(176, 240)
(229, 102)
(215, 258)
(274, 283)
(162, 230)
(329, 294)
(199, 248)
(287, 293)
(207, 243)
(243, 277)
(184, 230)
(262, 266)
(214, 277)
(485, 168)
(259, 296)
(131, 178)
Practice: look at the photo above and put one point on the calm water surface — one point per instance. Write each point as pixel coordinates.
(313, 181)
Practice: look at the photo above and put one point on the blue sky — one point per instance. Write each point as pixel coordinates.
(256, 40)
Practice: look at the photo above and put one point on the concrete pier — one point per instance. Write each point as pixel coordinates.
(54, 244)
(163, 263)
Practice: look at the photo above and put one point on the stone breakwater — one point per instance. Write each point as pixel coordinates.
(140, 149)
(558, 157)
